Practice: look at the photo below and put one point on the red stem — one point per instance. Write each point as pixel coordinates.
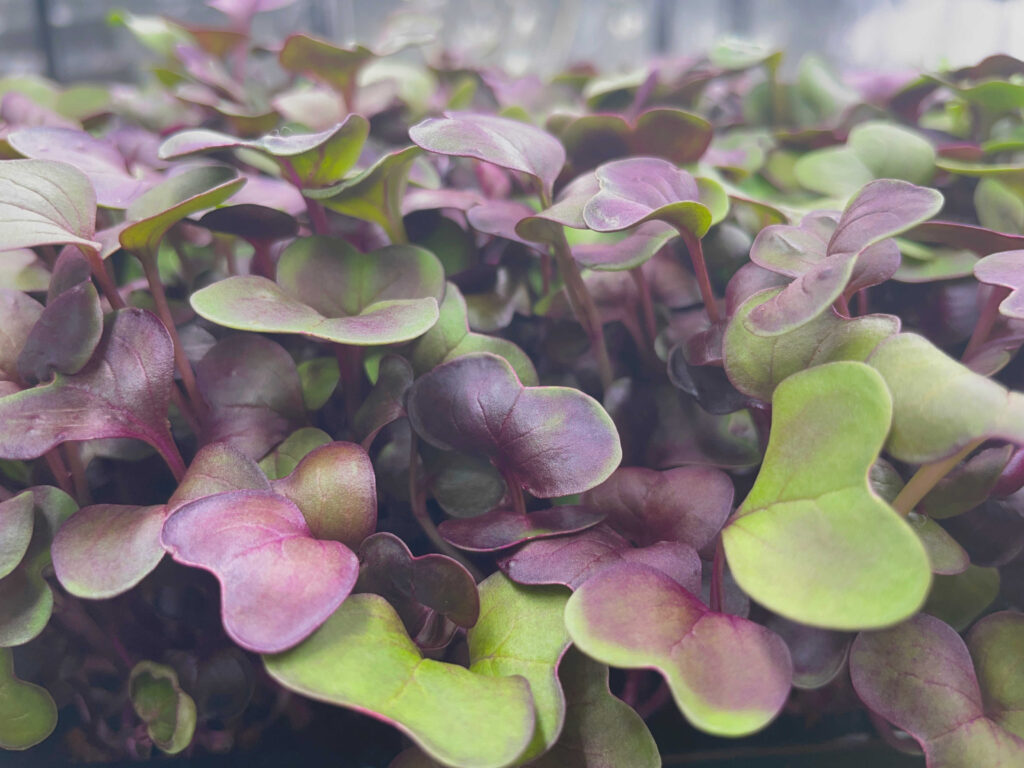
(73, 453)
(863, 302)
(631, 688)
(262, 262)
(515, 492)
(986, 319)
(715, 599)
(646, 303)
(350, 369)
(700, 268)
(1012, 477)
(655, 701)
(107, 285)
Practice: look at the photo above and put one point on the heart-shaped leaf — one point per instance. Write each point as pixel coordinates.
(329, 290)
(571, 560)
(253, 391)
(335, 489)
(553, 441)
(362, 659)
(451, 338)
(506, 143)
(939, 404)
(283, 460)
(278, 582)
(636, 617)
(309, 160)
(812, 541)
(106, 549)
(28, 713)
(17, 519)
(521, 632)
(426, 591)
(172, 200)
(642, 189)
(374, 195)
(101, 162)
(45, 203)
(678, 136)
(818, 654)
(251, 221)
(756, 365)
(880, 210)
(168, 712)
(65, 336)
(218, 468)
(26, 601)
(502, 528)
(1005, 269)
(685, 504)
(600, 731)
(337, 67)
(122, 392)
(995, 644)
(897, 674)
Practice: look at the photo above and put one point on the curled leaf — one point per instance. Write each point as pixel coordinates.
(501, 528)
(28, 713)
(168, 712)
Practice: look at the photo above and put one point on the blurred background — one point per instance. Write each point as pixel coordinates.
(72, 40)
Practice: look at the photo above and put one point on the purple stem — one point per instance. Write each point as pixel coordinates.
(1012, 477)
(717, 577)
(700, 268)
(655, 701)
(986, 319)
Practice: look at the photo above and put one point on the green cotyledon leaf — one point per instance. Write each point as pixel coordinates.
(813, 542)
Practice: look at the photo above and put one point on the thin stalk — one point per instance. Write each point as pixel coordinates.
(163, 310)
(107, 284)
(655, 701)
(172, 457)
(350, 369)
(842, 306)
(580, 300)
(183, 408)
(262, 262)
(72, 614)
(545, 273)
(317, 217)
(418, 501)
(1011, 479)
(863, 302)
(631, 688)
(700, 269)
(515, 492)
(986, 319)
(59, 471)
(395, 230)
(646, 303)
(583, 307)
(73, 453)
(715, 598)
(926, 478)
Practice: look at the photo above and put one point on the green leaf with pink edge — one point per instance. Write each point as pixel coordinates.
(177, 197)
(252, 388)
(600, 730)
(995, 643)
(502, 141)
(374, 195)
(684, 504)
(43, 202)
(285, 457)
(553, 441)
(278, 582)
(335, 489)
(880, 210)
(756, 365)
(642, 189)
(940, 405)
(26, 600)
(328, 290)
(362, 659)
(106, 549)
(433, 594)
(570, 560)
(812, 541)
(635, 617)
(158, 699)
(335, 66)
(99, 159)
(451, 337)
(28, 713)
(310, 160)
(1005, 269)
(123, 392)
(521, 632)
(501, 528)
(898, 672)
(17, 519)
